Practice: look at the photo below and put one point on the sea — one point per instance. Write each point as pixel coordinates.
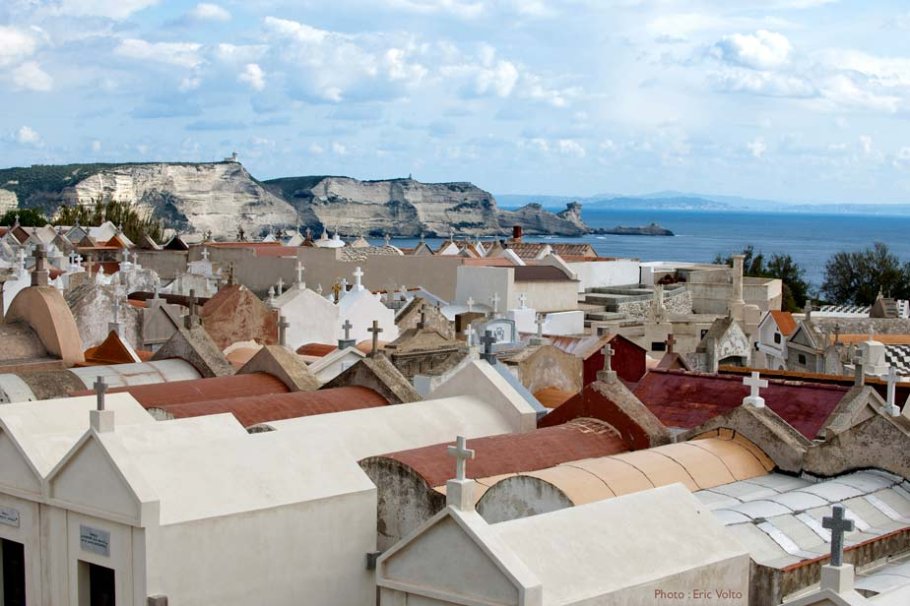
(810, 239)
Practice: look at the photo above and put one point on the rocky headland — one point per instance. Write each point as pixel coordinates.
(222, 197)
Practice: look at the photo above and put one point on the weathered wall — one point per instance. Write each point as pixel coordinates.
(618, 272)
(519, 497)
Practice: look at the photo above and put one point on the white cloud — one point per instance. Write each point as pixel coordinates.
(339, 149)
(181, 54)
(29, 76)
(96, 146)
(499, 79)
(757, 147)
(902, 158)
(253, 76)
(771, 84)
(26, 135)
(205, 11)
(762, 50)
(111, 9)
(466, 9)
(865, 143)
(568, 147)
(316, 149)
(15, 45)
(188, 83)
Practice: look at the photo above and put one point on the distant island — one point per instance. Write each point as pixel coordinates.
(648, 230)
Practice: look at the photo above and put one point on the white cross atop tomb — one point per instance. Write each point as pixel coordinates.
(470, 303)
(358, 279)
(300, 283)
(755, 384)
(460, 490)
(892, 379)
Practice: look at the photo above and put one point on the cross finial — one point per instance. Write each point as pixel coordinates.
(469, 335)
(205, 253)
(283, 325)
(859, 377)
(487, 341)
(495, 301)
(838, 524)
(100, 389)
(670, 342)
(375, 330)
(358, 278)
(462, 454)
(300, 283)
(346, 327)
(892, 379)
(608, 353)
(280, 286)
(755, 384)
(470, 303)
(523, 301)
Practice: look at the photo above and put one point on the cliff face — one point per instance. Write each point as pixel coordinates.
(220, 197)
(405, 207)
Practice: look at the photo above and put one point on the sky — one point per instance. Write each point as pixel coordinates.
(797, 100)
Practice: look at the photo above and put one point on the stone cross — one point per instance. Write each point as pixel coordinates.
(280, 285)
(523, 301)
(283, 325)
(469, 335)
(462, 453)
(755, 384)
(344, 287)
(191, 319)
(859, 377)
(205, 253)
(78, 259)
(271, 296)
(892, 379)
(487, 341)
(608, 353)
(300, 283)
(346, 327)
(670, 342)
(470, 303)
(358, 279)
(375, 330)
(838, 524)
(100, 389)
(495, 301)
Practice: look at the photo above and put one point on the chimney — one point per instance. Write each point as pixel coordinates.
(516, 233)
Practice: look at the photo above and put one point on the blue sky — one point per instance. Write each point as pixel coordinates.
(804, 100)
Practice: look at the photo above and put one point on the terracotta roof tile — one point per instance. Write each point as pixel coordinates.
(785, 322)
(516, 453)
(254, 410)
(686, 400)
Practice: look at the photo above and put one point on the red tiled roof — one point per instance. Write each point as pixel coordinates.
(785, 322)
(515, 453)
(686, 400)
(316, 349)
(198, 390)
(254, 410)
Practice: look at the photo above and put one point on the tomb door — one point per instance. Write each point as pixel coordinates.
(97, 586)
(12, 590)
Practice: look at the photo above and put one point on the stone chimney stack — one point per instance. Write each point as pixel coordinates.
(517, 233)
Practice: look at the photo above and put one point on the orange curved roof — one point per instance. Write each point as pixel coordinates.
(253, 410)
(698, 464)
(552, 397)
(366, 347)
(318, 350)
(516, 453)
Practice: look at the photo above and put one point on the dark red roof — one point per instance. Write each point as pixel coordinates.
(253, 410)
(158, 394)
(686, 400)
(515, 453)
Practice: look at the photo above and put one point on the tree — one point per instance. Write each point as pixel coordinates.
(135, 224)
(28, 217)
(781, 267)
(858, 276)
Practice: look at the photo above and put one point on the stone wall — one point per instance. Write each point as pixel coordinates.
(678, 302)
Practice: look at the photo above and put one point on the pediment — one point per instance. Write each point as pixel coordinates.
(88, 479)
(443, 560)
(16, 473)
